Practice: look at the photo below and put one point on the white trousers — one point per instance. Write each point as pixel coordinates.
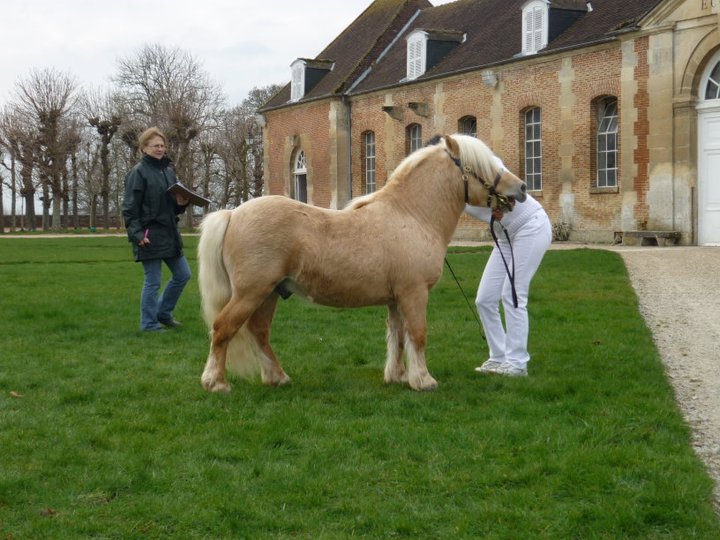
(529, 244)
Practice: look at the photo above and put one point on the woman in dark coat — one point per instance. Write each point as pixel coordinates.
(150, 215)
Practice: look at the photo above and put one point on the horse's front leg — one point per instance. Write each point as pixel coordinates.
(395, 337)
(413, 308)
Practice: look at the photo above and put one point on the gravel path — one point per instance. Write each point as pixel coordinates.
(679, 297)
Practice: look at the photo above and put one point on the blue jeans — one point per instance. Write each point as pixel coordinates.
(152, 308)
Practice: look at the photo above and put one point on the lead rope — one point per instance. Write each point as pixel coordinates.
(474, 311)
(511, 276)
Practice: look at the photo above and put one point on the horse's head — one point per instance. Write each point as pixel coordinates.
(487, 181)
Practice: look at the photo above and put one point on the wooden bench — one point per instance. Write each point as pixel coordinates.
(649, 238)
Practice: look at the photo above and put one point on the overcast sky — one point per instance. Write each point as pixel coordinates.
(240, 43)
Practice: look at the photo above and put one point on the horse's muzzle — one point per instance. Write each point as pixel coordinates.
(523, 193)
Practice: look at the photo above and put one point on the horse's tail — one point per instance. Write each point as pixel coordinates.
(213, 279)
(216, 291)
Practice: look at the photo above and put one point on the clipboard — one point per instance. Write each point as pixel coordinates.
(194, 198)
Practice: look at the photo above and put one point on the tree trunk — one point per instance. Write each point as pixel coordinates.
(56, 222)
(65, 201)
(30, 210)
(45, 207)
(2, 211)
(93, 211)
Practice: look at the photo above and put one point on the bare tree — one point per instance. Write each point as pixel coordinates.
(168, 88)
(87, 165)
(240, 147)
(46, 98)
(18, 137)
(73, 140)
(103, 112)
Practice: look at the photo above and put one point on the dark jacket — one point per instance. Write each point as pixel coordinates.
(149, 210)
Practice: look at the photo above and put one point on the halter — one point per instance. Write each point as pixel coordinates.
(494, 199)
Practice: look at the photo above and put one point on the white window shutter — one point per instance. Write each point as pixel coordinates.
(298, 82)
(534, 32)
(528, 32)
(538, 21)
(415, 57)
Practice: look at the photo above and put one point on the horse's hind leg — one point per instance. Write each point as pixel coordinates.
(226, 325)
(259, 325)
(413, 309)
(395, 337)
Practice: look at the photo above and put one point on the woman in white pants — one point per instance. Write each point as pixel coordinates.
(530, 234)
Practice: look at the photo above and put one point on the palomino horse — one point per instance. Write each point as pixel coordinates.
(386, 248)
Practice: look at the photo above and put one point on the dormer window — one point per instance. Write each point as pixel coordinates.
(306, 74)
(535, 25)
(416, 48)
(426, 48)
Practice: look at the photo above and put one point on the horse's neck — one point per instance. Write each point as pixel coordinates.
(431, 197)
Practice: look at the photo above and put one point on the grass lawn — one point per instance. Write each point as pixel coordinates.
(106, 432)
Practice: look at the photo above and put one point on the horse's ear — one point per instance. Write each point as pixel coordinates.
(452, 147)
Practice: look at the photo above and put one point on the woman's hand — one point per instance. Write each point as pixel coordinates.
(498, 212)
(145, 241)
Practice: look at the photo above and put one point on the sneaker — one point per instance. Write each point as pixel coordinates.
(511, 371)
(500, 367)
(170, 323)
(491, 366)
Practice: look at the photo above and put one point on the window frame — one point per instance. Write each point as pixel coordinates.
(533, 174)
(607, 144)
(713, 78)
(300, 191)
(413, 138)
(369, 162)
(467, 125)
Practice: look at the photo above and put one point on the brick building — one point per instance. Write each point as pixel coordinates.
(609, 109)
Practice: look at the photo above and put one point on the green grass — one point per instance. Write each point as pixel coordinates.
(106, 432)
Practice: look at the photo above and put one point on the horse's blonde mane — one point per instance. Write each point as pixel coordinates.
(475, 154)
(406, 163)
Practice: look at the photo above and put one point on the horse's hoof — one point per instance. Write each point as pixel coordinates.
(426, 384)
(216, 386)
(278, 382)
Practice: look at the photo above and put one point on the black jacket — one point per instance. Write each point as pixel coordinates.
(148, 210)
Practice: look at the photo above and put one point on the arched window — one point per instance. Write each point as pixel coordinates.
(712, 89)
(467, 125)
(368, 161)
(533, 148)
(413, 138)
(300, 175)
(606, 152)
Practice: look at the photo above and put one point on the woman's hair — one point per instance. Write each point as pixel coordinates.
(149, 134)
